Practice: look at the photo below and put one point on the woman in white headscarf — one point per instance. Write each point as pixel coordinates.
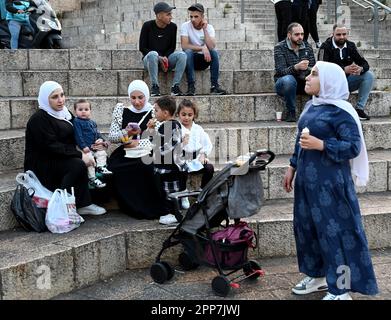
(51, 149)
(134, 182)
(329, 158)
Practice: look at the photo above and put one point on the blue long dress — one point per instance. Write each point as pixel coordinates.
(330, 238)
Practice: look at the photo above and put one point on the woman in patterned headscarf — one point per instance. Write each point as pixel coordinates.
(330, 157)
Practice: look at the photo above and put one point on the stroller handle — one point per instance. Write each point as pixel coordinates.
(262, 158)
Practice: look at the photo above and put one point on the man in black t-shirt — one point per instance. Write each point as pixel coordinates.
(157, 44)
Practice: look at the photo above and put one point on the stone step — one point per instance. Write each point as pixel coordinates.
(15, 112)
(234, 144)
(73, 59)
(42, 266)
(281, 274)
(89, 82)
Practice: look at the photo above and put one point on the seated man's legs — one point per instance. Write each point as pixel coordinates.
(14, 28)
(151, 63)
(190, 58)
(286, 87)
(196, 61)
(363, 83)
(214, 73)
(177, 60)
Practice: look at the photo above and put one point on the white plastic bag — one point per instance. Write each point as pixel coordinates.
(61, 215)
(30, 181)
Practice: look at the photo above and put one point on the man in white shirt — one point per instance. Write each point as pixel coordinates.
(198, 41)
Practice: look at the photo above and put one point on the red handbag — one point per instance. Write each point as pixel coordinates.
(231, 245)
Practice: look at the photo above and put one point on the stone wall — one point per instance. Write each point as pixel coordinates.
(68, 5)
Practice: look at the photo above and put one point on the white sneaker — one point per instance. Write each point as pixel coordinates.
(309, 285)
(330, 296)
(185, 203)
(168, 219)
(103, 170)
(96, 183)
(92, 209)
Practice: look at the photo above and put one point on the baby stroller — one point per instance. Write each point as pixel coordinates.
(235, 192)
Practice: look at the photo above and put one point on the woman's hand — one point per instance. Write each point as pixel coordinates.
(132, 144)
(288, 178)
(88, 159)
(309, 142)
(86, 150)
(133, 132)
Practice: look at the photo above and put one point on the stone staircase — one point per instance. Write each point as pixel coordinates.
(41, 266)
(236, 123)
(116, 24)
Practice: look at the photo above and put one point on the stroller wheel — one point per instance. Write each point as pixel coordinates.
(170, 270)
(186, 261)
(159, 272)
(220, 286)
(250, 267)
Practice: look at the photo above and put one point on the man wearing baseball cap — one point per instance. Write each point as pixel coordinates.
(157, 43)
(198, 41)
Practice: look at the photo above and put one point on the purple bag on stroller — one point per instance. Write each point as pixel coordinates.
(231, 245)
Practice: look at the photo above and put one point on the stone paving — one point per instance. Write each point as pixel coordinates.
(281, 275)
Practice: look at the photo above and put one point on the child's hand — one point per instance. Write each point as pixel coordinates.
(99, 145)
(86, 150)
(151, 123)
(185, 139)
(203, 159)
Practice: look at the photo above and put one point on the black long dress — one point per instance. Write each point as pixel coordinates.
(52, 155)
(134, 183)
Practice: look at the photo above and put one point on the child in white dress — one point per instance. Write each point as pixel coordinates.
(196, 144)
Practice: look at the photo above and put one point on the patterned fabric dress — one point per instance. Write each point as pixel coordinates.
(330, 237)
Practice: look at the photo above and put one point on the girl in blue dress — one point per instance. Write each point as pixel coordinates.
(332, 248)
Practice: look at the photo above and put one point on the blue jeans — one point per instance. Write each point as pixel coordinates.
(176, 60)
(363, 83)
(196, 61)
(288, 87)
(14, 27)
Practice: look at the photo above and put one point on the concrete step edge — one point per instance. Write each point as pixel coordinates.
(104, 246)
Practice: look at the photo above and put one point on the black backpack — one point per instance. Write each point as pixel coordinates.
(30, 217)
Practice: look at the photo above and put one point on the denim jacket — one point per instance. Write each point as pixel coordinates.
(86, 132)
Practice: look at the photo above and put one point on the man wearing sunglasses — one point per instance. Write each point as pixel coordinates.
(338, 49)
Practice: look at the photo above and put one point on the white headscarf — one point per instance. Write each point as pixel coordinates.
(334, 90)
(139, 85)
(45, 91)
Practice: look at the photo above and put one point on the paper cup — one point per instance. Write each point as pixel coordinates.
(278, 115)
